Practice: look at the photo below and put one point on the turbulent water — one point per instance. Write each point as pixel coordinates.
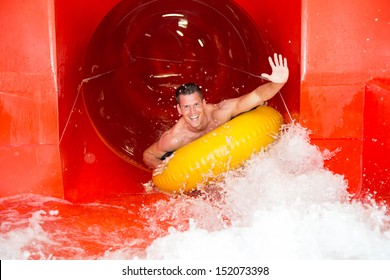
(282, 204)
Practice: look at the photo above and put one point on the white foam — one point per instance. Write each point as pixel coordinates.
(283, 204)
(17, 243)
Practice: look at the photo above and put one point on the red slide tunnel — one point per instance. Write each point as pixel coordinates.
(135, 58)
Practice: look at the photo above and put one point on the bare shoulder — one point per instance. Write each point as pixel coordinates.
(223, 111)
(227, 104)
(172, 138)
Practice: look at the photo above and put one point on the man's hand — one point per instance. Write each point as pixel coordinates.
(279, 70)
(162, 166)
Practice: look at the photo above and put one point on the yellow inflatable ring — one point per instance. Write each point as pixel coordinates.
(224, 148)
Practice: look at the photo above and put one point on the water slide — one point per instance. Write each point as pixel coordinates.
(85, 88)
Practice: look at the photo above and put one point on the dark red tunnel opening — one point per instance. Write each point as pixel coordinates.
(143, 50)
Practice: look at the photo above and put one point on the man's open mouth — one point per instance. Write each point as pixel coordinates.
(194, 117)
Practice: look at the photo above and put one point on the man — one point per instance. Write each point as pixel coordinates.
(199, 117)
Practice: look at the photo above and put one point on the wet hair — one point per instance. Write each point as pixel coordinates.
(186, 89)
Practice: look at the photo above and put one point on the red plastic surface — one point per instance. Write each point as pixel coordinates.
(376, 142)
(51, 143)
(344, 45)
(29, 154)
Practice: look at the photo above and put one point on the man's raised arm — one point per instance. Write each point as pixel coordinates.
(277, 79)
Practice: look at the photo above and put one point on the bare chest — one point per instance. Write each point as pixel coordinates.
(190, 136)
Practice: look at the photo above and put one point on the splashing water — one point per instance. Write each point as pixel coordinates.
(282, 204)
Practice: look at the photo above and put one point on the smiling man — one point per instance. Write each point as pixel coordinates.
(199, 117)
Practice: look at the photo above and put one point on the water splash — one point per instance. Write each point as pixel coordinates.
(282, 204)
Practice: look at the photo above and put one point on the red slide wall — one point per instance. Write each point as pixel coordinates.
(52, 144)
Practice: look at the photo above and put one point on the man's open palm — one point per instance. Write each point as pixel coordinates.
(279, 69)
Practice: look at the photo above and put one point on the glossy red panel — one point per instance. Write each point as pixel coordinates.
(334, 111)
(29, 153)
(28, 109)
(346, 160)
(25, 34)
(376, 144)
(344, 42)
(30, 169)
(28, 101)
(344, 45)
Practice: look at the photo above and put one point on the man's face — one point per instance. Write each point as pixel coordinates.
(192, 107)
